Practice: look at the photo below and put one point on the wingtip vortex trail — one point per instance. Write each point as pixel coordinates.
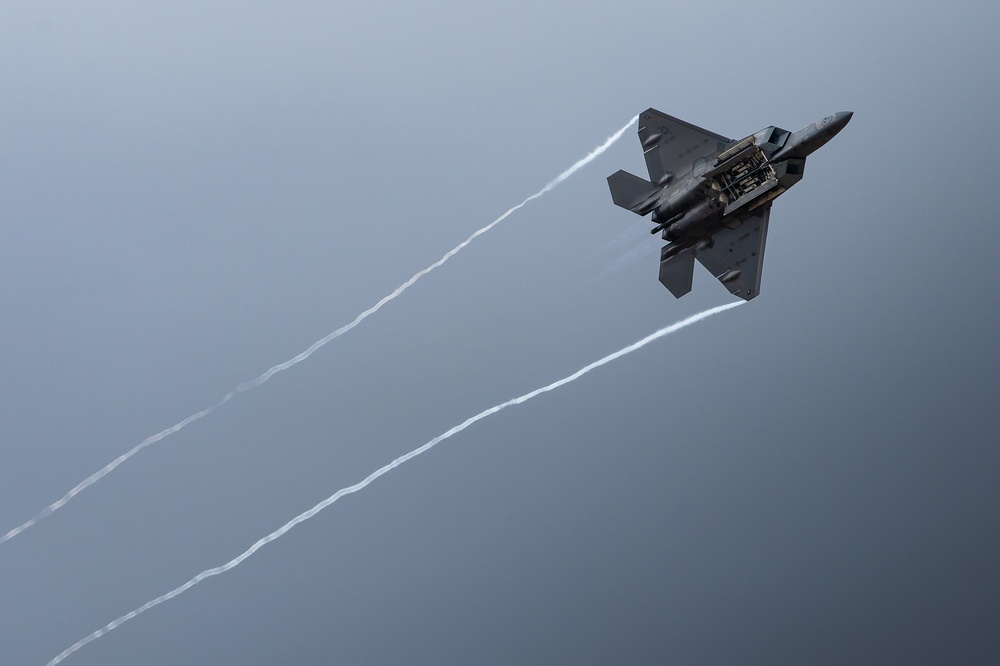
(306, 515)
(246, 386)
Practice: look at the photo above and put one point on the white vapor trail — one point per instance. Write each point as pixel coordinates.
(302, 517)
(246, 386)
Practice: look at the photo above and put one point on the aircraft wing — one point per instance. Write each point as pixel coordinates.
(672, 146)
(736, 256)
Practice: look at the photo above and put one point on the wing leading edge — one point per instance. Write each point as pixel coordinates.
(672, 146)
(736, 256)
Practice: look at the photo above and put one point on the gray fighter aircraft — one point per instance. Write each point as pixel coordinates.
(711, 196)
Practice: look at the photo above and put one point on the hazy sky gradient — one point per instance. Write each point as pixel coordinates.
(194, 193)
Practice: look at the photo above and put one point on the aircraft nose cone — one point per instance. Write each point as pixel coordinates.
(841, 119)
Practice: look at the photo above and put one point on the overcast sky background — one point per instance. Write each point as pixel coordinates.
(194, 192)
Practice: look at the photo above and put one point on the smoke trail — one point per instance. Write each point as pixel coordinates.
(208, 573)
(246, 386)
(643, 248)
(104, 471)
(595, 153)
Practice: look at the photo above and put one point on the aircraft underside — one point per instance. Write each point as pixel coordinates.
(711, 196)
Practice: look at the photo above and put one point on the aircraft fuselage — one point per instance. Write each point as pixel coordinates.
(703, 185)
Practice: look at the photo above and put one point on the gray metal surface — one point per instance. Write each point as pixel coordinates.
(677, 271)
(671, 145)
(736, 256)
(711, 196)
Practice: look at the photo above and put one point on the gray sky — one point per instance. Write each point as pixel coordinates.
(192, 194)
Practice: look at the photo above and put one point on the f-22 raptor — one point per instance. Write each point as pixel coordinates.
(711, 196)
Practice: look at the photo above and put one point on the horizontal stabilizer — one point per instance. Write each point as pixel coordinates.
(629, 190)
(677, 270)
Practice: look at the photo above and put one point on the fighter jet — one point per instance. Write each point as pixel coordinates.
(711, 196)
